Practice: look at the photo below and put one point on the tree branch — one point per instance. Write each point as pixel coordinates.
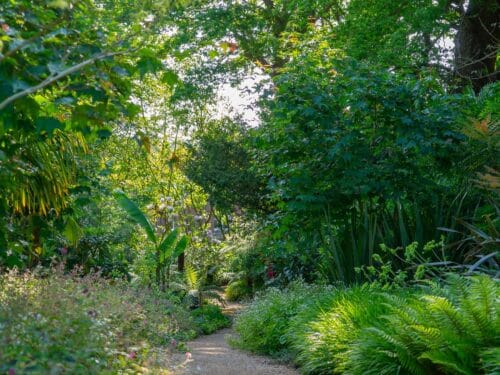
(58, 76)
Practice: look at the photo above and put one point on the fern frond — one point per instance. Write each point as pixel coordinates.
(191, 277)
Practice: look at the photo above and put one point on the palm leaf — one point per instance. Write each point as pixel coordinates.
(166, 247)
(72, 231)
(136, 214)
(180, 247)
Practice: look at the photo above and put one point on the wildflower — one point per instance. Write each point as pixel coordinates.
(173, 342)
(270, 272)
(11, 371)
(188, 356)
(132, 355)
(63, 251)
(6, 29)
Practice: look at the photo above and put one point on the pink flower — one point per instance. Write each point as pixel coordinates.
(173, 342)
(132, 355)
(11, 371)
(6, 28)
(188, 356)
(63, 250)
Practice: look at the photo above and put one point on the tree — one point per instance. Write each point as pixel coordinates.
(477, 42)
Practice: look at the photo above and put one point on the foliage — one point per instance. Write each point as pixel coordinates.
(453, 333)
(220, 163)
(237, 290)
(262, 326)
(321, 333)
(198, 292)
(167, 248)
(209, 318)
(68, 323)
(449, 329)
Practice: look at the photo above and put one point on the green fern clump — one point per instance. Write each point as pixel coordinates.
(322, 334)
(453, 332)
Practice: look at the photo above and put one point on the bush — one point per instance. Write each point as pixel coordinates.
(263, 325)
(321, 334)
(438, 329)
(72, 324)
(237, 290)
(456, 331)
(209, 318)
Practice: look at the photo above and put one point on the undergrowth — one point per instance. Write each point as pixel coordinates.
(452, 328)
(61, 323)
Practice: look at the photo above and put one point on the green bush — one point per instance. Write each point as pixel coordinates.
(81, 325)
(454, 331)
(263, 325)
(321, 333)
(209, 318)
(438, 329)
(237, 290)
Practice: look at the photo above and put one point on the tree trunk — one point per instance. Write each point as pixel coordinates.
(477, 42)
(180, 262)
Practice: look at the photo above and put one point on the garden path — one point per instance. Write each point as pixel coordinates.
(212, 355)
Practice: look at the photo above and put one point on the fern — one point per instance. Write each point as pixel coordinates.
(191, 276)
(455, 331)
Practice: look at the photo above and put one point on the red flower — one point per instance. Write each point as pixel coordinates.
(270, 272)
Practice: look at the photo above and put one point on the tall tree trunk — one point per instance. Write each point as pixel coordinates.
(477, 42)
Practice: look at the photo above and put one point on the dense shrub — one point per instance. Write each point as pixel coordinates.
(72, 324)
(263, 325)
(456, 332)
(209, 318)
(450, 329)
(237, 290)
(321, 334)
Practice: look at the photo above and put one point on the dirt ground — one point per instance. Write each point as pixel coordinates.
(212, 355)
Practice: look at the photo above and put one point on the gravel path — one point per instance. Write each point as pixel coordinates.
(212, 355)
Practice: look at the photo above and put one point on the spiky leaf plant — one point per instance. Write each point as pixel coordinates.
(457, 332)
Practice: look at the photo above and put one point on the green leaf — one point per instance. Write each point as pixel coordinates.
(104, 133)
(170, 77)
(166, 246)
(148, 63)
(136, 214)
(72, 231)
(180, 247)
(48, 124)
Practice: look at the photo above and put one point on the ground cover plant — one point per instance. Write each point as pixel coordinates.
(80, 324)
(441, 329)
